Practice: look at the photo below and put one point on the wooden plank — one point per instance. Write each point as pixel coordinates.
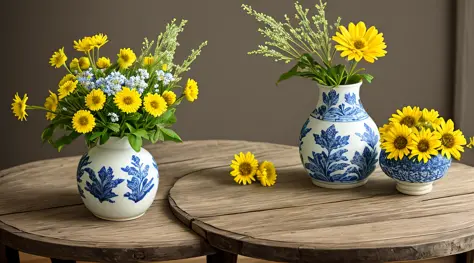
(222, 257)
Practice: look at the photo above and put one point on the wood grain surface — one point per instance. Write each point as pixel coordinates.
(295, 221)
(41, 212)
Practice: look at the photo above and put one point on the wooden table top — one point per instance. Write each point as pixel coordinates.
(295, 221)
(41, 212)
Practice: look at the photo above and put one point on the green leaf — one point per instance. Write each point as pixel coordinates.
(367, 77)
(130, 127)
(65, 140)
(95, 135)
(157, 135)
(354, 79)
(48, 133)
(135, 142)
(291, 73)
(104, 138)
(114, 127)
(141, 133)
(133, 116)
(171, 135)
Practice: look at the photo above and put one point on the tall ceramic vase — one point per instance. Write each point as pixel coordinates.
(115, 182)
(339, 143)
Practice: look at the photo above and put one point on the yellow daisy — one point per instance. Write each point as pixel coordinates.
(74, 65)
(58, 58)
(396, 140)
(424, 144)
(126, 57)
(83, 121)
(164, 67)
(358, 42)
(99, 40)
(67, 88)
(384, 129)
(407, 116)
(19, 107)
(266, 173)
(154, 104)
(429, 119)
(84, 45)
(471, 143)
(95, 100)
(84, 63)
(451, 141)
(51, 104)
(169, 96)
(147, 61)
(128, 100)
(244, 168)
(66, 78)
(103, 62)
(191, 90)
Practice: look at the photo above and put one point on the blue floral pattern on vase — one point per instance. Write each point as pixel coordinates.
(348, 111)
(139, 184)
(101, 185)
(409, 170)
(80, 172)
(364, 164)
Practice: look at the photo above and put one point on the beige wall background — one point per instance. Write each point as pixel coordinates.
(238, 97)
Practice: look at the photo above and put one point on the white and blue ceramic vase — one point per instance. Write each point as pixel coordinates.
(414, 177)
(115, 182)
(339, 143)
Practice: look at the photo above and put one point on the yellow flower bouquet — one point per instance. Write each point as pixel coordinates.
(417, 148)
(133, 97)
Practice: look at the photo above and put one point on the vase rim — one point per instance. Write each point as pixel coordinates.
(115, 143)
(349, 86)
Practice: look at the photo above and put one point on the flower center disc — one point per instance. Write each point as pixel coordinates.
(96, 100)
(408, 121)
(83, 121)
(154, 104)
(400, 142)
(245, 169)
(359, 44)
(128, 100)
(423, 146)
(447, 140)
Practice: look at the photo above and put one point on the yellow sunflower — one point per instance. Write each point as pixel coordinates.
(74, 65)
(429, 119)
(66, 78)
(128, 100)
(147, 61)
(424, 144)
(396, 140)
(19, 107)
(266, 173)
(126, 57)
(154, 104)
(451, 141)
(358, 42)
(191, 90)
(103, 62)
(407, 116)
(51, 104)
(99, 40)
(84, 45)
(83, 121)
(67, 88)
(95, 100)
(384, 129)
(244, 168)
(58, 58)
(84, 63)
(169, 96)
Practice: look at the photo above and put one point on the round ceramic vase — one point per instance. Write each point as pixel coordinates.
(117, 183)
(413, 177)
(339, 142)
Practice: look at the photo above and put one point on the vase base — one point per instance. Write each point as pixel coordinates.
(414, 188)
(339, 185)
(120, 219)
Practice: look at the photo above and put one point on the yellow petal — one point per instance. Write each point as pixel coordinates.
(353, 30)
(361, 29)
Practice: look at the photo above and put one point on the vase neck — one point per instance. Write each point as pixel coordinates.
(116, 143)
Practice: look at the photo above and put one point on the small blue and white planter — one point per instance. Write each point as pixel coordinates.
(339, 143)
(115, 182)
(413, 177)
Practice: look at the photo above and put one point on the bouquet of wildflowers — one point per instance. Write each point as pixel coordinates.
(133, 97)
(420, 135)
(309, 43)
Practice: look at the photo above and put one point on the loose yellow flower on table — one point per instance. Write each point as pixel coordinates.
(170, 97)
(84, 45)
(83, 121)
(424, 144)
(396, 141)
(99, 40)
(266, 173)
(471, 143)
(154, 104)
(84, 63)
(68, 77)
(244, 168)
(191, 90)
(128, 100)
(359, 43)
(452, 141)
(95, 100)
(19, 107)
(74, 65)
(103, 62)
(407, 116)
(126, 57)
(51, 104)
(147, 61)
(58, 59)
(67, 88)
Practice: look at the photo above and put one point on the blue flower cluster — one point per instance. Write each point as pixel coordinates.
(165, 77)
(86, 79)
(112, 83)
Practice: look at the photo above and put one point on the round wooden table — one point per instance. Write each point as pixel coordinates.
(41, 212)
(295, 221)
